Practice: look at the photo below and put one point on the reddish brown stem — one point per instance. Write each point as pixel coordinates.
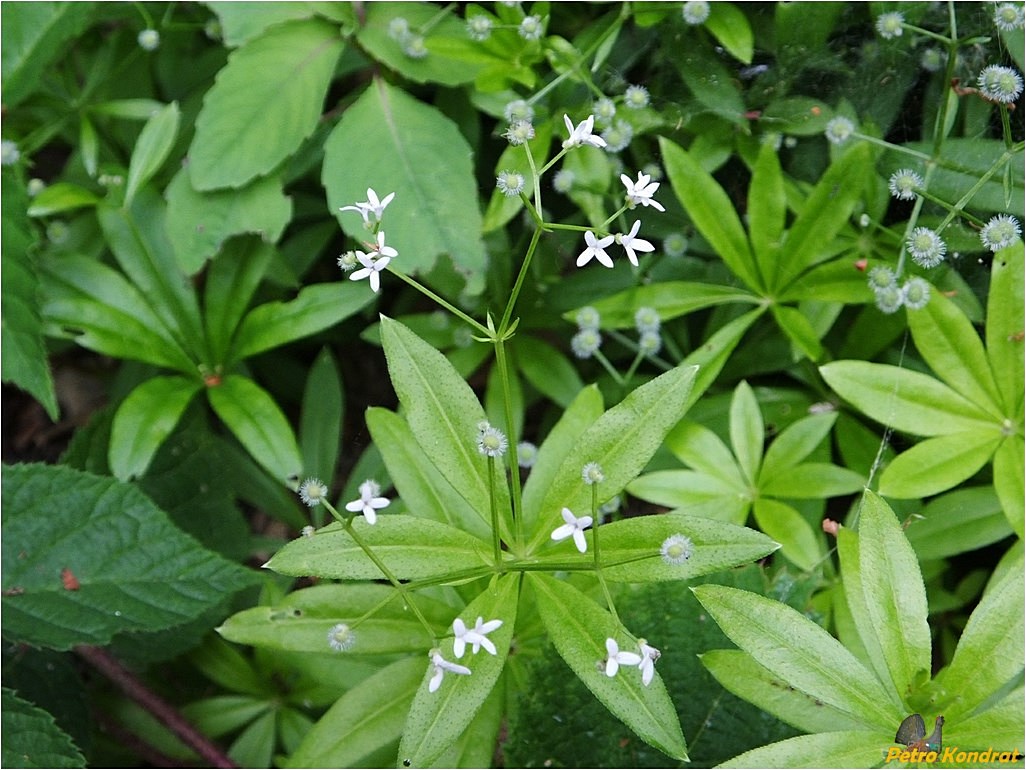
(167, 714)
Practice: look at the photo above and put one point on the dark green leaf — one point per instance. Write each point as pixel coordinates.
(151, 149)
(230, 284)
(670, 299)
(320, 423)
(731, 28)
(959, 521)
(32, 737)
(548, 370)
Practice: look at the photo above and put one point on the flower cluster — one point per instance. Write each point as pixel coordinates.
(839, 130)
(645, 661)
(369, 502)
(476, 637)
(904, 184)
(1000, 84)
(1001, 231)
(588, 339)
(411, 43)
(374, 261)
(890, 297)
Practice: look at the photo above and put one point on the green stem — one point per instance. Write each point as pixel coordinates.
(609, 368)
(494, 507)
(444, 303)
(505, 375)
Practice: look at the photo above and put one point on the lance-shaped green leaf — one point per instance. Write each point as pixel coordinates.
(998, 726)
(895, 594)
(747, 431)
(1004, 325)
(710, 356)
(767, 210)
(320, 422)
(711, 210)
(438, 718)
(367, 718)
(231, 281)
(812, 480)
(60, 198)
(1009, 462)
(139, 242)
(957, 522)
(695, 493)
(258, 423)
(800, 652)
(424, 490)
(151, 149)
(903, 399)
(391, 142)
(738, 672)
(303, 620)
(314, 309)
(851, 748)
(947, 341)
(695, 445)
(990, 651)
(798, 541)
(144, 419)
(264, 103)
(730, 26)
(621, 441)
(579, 628)
(798, 330)
(411, 549)
(32, 737)
(796, 442)
(632, 549)
(670, 299)
(199, 223)
(443, 414)
(547, 369)
(95, 305)
(939, 463)
(86, 557)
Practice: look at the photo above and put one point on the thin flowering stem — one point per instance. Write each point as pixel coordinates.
(507, 398)
(493, 506)
(444, 303)
(536, 181)
(958, 209)
(609, 367)
(507, 314)
(627, 342)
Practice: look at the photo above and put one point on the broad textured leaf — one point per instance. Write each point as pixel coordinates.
(133, 569)
(302, 621)
(670, 299)
(314, 309)
(243, 21)
(547, 369)
(631, 548)
(320, 422)
(738, 672)
(144, 419)
(259, 424)
(800, 652)
(959, 521)
(424, 490)
(579, 628)
(993, 637)
(822, 215)
(947, 341)
(895, 594)
(561, 441)
(24, 360)
(747, 431)
(34, 36)
(94, 304)
(852, 748)
(438, 718)
(264, 103)
(151, 149)
(1004, 323)
(389, 141)
(903, 399)
(939, 463)
(443, 414)
(199, 223)
(1009, 462)
(231, 281)
(32, 737)
(411, 548)
(367, 718)
(798, 541)
(137, 237)
(621, 441)
(711, 210)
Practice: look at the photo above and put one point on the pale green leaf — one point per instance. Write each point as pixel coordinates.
(695, 445)
(264, 103)
(688, 489)
(61, 198)
(799, 331)
(1009, 462)
(243, 21)
(151, 149)
(798, 542)
(767, 210)
(670, 299)
(812, 481)
(747, 431)
(730, 26)
(939, 463)
(996, 729)
(796, 442)
(852, 748)
(711, 355)
(959, 521)
(1005, 326)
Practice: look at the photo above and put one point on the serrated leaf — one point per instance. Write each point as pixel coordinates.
(411, 548)
(314, 309)
(578, 628)
(145, 418)
(389, 141)
(853, 748)
(939, 463)
(24, 360)
(438, 718)
(443, 413)
(264, 103)
(621, 441)
(903, 399)
(199, 223)
(134, 570)
(32, 737)
(367, 718)
(800, 652)
(259, 424)
(895, 595)
(151, 149)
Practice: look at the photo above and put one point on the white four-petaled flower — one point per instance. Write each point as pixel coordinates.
(641, 191)
(476, 636)
(631, 243)
(369, 502)
(649, 655)
(370, 206)
(441, 665)
(596, 248)
(618, 657)
(581, 134)
(574, 527)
